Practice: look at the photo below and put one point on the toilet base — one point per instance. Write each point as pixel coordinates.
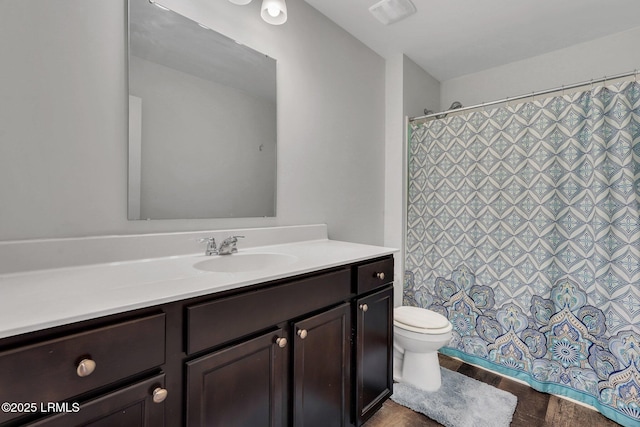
(397, 365)
(422, 370)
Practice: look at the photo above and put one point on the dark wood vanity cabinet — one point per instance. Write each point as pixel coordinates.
(241, 385)
(131, 406)
(321, 369)
(59, 376)
(297, 371)
(311, 350)
(374, 352)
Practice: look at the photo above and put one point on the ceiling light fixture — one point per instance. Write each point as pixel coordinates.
(390, 11)
(274, 11)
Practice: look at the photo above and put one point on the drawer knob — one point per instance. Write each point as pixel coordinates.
(380, 275)
(159, 394)
(364, 307)
(86, 367)
(302, 333)
(282, 342)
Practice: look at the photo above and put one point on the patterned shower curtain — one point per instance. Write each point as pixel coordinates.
(523, 229)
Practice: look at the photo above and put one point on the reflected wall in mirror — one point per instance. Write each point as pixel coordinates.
(202, 121)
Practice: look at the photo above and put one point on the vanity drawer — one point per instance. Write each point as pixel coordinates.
(130, 406)
(216, 322)
(374, 275)
(50, 371)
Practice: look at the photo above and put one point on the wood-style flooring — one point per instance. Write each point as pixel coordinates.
(534, 409)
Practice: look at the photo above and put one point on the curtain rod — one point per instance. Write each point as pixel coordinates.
(532, 94)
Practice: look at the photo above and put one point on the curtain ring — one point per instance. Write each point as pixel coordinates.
(635, 75)
(591, 84)
(605, 81)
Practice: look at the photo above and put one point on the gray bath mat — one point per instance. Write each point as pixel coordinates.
(460, 402)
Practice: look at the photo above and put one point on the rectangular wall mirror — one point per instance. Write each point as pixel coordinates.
(202, 121)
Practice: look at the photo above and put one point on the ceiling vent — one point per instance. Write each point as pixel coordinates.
(390, 11)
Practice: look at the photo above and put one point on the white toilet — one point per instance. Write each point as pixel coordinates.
(418, 334)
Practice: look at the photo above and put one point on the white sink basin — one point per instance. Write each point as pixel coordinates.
(239, 262)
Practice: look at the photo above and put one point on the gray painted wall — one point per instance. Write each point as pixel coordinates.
(409, 90)
(420, 89)
(63, 120)
(610, 55)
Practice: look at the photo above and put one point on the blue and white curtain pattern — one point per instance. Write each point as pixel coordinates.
(524, 231)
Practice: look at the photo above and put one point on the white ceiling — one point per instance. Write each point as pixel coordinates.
(451, 38)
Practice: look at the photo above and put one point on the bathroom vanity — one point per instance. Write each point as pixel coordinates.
(304, 346)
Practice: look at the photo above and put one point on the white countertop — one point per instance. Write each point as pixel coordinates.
(40, 299)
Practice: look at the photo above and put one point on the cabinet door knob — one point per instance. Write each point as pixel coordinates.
(302, 333)
(159, 394)
(86, 367)
(380, 275)
(364, 307)
(282, 342)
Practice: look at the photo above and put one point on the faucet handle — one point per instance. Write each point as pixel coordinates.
(211, 245)
(231, 239)
(228, 245)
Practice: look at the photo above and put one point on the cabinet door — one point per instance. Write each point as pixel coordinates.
(374, 352)
(132, 406)
(241, 385)
(321, 369)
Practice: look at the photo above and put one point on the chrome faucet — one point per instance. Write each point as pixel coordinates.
(211, 246)
(228, 245)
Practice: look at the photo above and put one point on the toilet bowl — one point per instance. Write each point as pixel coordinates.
(418, 334)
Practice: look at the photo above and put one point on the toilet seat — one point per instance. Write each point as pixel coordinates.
(420, 320)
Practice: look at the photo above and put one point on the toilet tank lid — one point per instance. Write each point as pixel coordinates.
(419, 317)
